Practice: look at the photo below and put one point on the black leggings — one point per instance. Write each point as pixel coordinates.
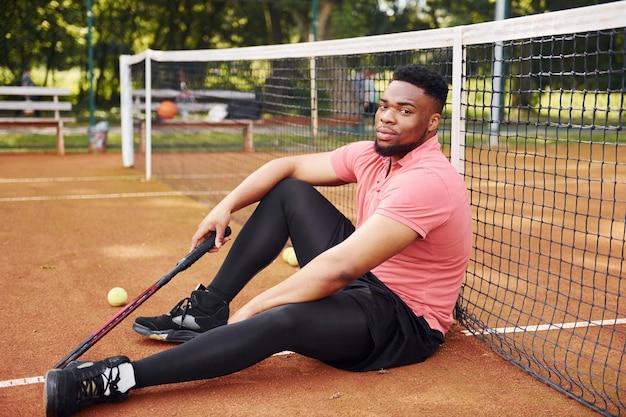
(331, 329)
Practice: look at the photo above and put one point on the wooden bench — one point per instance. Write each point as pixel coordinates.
(196, 101)
(246, 127)
(22, 105)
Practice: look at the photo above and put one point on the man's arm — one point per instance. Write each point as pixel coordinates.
(312, 168)
(375, 241)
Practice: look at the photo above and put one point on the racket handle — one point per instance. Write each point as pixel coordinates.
(200, 250)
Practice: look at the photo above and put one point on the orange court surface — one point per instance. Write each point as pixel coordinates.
(75, 226)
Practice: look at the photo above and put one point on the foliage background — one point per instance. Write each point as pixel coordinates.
(51, 36)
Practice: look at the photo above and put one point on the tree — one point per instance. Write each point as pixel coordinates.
(51, 34)
(39, 33)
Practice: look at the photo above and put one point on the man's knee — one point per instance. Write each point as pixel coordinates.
(291, 193)
(283, 319)
(290, 187)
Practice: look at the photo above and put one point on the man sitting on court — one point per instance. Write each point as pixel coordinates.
(378, 295)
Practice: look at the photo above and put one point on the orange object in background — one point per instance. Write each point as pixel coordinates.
(167, 109)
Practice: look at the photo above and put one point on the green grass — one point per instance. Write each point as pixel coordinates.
(20, 142)
(516, 133)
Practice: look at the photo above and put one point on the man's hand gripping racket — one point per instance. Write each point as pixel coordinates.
(183, 264)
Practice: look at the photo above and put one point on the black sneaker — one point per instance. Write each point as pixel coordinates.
(81, 384)
(192, 316)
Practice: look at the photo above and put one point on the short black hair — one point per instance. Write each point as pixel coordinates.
(433, 84)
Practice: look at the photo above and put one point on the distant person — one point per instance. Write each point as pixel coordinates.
(367, 96)
(357, 82)
(370, 93)
(376, 294)
(27, 81)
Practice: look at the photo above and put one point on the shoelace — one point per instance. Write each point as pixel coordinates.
(184, 309)
(88, 389)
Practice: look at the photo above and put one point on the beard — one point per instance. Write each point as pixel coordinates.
(397, 149)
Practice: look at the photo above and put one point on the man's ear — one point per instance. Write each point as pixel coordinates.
(433, 122)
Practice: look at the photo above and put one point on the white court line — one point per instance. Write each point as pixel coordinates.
(21, 381)
(115, 178)
(201, 176)
(106, 196)
(40, 379)
(69, 179)
(545, 327)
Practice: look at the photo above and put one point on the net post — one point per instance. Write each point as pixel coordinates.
(458, 75)
(314, 112)
(495, 109)
(126, 110)
(148, 115)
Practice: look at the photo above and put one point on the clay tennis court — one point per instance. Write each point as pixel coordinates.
(75, 226)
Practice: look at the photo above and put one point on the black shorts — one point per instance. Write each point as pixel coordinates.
(400, 337)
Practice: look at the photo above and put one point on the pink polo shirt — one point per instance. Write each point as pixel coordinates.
(424, 192)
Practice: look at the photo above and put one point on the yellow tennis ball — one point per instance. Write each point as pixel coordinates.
(288, 251)
(117, 296)
(292, 260)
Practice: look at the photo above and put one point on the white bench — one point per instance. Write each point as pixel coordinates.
(20, 104)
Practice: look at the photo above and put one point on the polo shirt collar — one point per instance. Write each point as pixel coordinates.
(416, 153)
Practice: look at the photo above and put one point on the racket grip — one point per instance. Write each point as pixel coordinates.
(200, 250)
